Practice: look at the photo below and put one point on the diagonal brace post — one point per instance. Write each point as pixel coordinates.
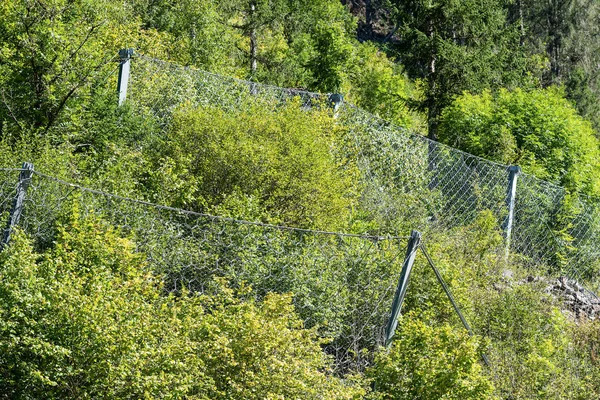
(450, 297)
(409, 259)
(17, 207)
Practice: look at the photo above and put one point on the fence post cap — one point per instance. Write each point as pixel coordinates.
(125, 54)
(336, 98)
(416, 236)
(514, 168)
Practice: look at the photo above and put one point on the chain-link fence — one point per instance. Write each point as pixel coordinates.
(449, 188)
(409, 181)
(423, 184)
(157, 87)
(343, 284)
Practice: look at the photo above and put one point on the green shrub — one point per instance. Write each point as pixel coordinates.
(531, 340)
(428, 362)
(87, 320)
(380, 86)
(286, 158)
(538, 130)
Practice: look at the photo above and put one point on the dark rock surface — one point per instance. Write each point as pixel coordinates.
(576, 299)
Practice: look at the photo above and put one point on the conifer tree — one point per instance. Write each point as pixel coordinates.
(453, 46)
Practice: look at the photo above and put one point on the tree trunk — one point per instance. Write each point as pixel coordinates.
(555, 33)
(432, 111)
(432, 107)
(253, 44)
(515, 16)
(369, 18)
(521, 23)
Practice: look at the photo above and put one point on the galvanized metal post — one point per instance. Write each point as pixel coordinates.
(513, 174)
(17, 208)
(336, 100)
(125, 56)
(409, 259)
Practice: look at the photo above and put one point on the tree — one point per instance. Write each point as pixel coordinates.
(566, 32)
(583, 67)
(381, 86)
(293, 43)
(538, 130)
(52, 52)
(194, 33)
(452, 46)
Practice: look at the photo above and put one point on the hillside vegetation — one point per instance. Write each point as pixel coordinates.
(103, 297)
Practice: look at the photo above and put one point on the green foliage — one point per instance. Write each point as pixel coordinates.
(538, 130)
(86, 319)
(565, 32)
(530, 355)
(298, 44)
(582, 89)
(586, 340)
(256, 351)
(452, 46)
(53, 51)
(468, 260)
(535, 348)
(430, 363)
(333, 52)
(193, 33)
(285, 158)
(380, 86)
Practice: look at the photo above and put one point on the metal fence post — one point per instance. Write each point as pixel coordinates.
(125, 56)
(17, 208)
(409, 259)
(336, 100)
(513, 174)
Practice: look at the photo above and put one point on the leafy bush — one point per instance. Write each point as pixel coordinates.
(531, 344)
(430, 363)
(538, 130)
(287, 159)
(380, 86)
(86, 319)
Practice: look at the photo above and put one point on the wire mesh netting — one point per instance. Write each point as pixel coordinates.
(158, 87)
(342, 284)
(409, 181)
(445, 187)
(531, 346)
